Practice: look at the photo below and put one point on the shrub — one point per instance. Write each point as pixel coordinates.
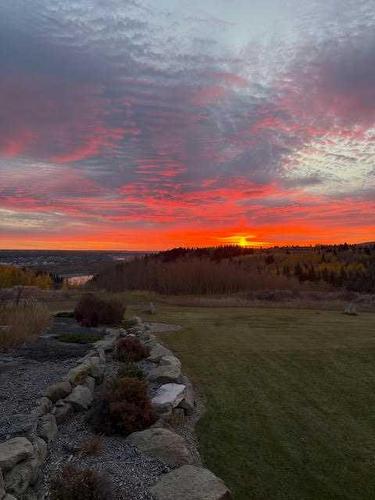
(124, 407)
(131, 349)
(79, 338)
(21, 322)
(80, 484)
(91, 446)
(92, 310)
(130, 370)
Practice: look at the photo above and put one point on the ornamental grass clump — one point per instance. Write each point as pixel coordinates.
(22, 322)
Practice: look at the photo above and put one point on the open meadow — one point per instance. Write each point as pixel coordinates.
(289, 398)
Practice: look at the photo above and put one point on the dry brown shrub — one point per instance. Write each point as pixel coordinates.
(130, 349)
(93, 310)
(80, 484)
(21, 322)
(123, 407)
(91, 446)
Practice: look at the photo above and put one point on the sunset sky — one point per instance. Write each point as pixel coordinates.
(144, 124)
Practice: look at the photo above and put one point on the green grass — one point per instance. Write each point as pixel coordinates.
(128, 323)
(130, 370)
(79, 338)
(64, 314)
(290, 398)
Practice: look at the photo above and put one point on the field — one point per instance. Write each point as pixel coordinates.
(289, 398)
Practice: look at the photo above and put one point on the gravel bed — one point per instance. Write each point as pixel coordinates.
(130, 471)
(23, 381)
(48, 349)
(26, 371)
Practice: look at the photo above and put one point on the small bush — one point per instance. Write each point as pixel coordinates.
(130, 370)
(91, 446)
(124, 407)
(131, 349)
(80, 484)
(79, 338)
(21, 322)
(92, 310)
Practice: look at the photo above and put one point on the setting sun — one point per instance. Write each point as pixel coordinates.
(243, 240)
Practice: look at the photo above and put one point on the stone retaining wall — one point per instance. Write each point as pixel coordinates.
(28, 436)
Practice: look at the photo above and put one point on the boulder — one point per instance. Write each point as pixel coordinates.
(90, 366)
(91, 353)
(96, 369)
(80, 398)
(162, 444)
(62, 411)
(149, 339)
(188, 403)
(2, 488)
(18, 479)
(106, 344)
(151, 308)
(44, 406)
(90, 384)
(168, 396)
(113, 333)
(190, 483)
(101, 354)
(351, 310)
(170, 360)
(47, 428)
(136, 320)
(78, 374)
(20, 424)
(40, 450)
(165, 374)
(26, 472)
(157, 352)
(13, 451)
(57, 391)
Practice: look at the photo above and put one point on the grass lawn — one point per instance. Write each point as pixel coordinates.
(290, 397)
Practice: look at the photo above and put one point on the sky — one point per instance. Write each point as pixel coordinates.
(143, 124)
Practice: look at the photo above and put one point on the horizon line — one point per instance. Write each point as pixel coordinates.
(187, 247)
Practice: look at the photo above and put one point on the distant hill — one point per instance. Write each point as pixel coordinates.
(65, 262)
(232, 269)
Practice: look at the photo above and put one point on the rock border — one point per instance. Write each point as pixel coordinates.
(30, 435)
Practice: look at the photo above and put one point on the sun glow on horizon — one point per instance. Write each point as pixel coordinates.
(244, 241)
